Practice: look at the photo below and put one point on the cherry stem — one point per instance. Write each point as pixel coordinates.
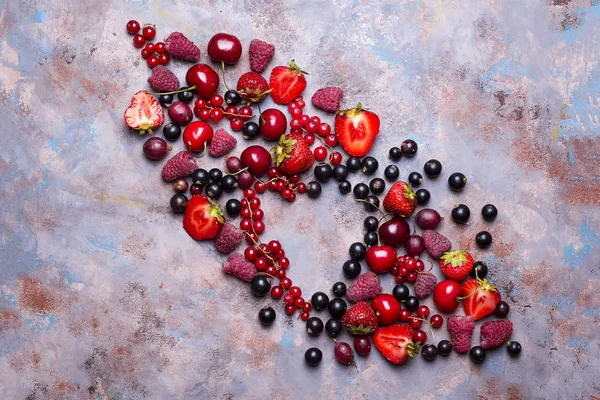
(203, 151)
(223, 74)
(236, 173)
(188, 89)
(459, 299)
(260, 113)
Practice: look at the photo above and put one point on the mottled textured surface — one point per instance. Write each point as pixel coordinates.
(102, 294)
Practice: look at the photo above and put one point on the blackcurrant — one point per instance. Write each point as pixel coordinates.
(429, 352)
(371, 223)
(477, 354)
(333, 327)
(214, 190)
(337, 308)
(344, 187)
(391, 173)
(415, 178)
(433, 168)
(185, 96)
(369, 165)
(319, 301)
(412, 303)
(353, 164)
(229, 183)
(371, 203)
(357, 251)
(323, 172)
(178, 203)
(165, 99)
(423, 196)
(232, 98)
(313, 356)
(200, 176)
(401, 292)
(514, 348)
(171, 131)
(314, 326)
(461, 214)
(502, 309)
(377, 185)
(260, 285)
(480, 269)
(338, 289)
(444, 347)
(371, 238)
(361, 191)
(215, 175)
(483, 239)
(313, 189)
(266, 316)
(250, 130)
(395, 153)
(351, 269)
(233, 207)
(457, 181)
(489, 212)
(409, 148)
(340, 172)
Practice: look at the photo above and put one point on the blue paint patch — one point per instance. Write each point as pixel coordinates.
(494, 363)
(53, 144)
(287, 339)
(575, 258)
(576, 343)
(103, 243)
(570, 155)
(208, 294)
(39, 16)
(590, 312)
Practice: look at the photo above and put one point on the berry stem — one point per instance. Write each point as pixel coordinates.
(223, 74)
(378, 209)
(188, 89)
(430, 328)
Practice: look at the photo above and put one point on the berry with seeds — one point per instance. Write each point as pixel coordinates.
(180, 165)
(456, 265)
(238, 266)
(222, 142)
(424, 285)
(287, 83)
(436, 243)
(395, 343)
(228, 239)
(494, 334)
(179, 46)
(461, 329)
(360, 319)
(260, 54)
(327, 99)
(400, 199)
(163, 80)
(365, 287)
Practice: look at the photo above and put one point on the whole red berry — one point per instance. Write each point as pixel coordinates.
(335, 158)
(152, 61)
(195, 189)
(236, 124)
(260, 264)
(295, 124)
(271, 270)
(423, 311)
(410, 263)
(200, 103)
(276, 292)
(411, 277)
(260, 187)
(284, 262)
(331, 140)
(280, 185)
(259, 227)
(249, 193)
(402, 271)
(245, 213)
(230, 112)
(138, 40)
(292, 106)
(216, 114)
(311, 127)
(304, 316)
(309, 138)
(287, 194)
(404, 315)
(301, 187)
(272, 185)
(289, 309)
(436, 320)
(296, 291)
(160, 47)
(420, 265)
(320, 153)
(415, 322)
(400, 261)
(245, 112)
(245, 224)
(281, 273)
(251, 254)
(145, 54)
(149, 47)
(273, 172)
(149, 32)
(288, 298)
(254, 203)
(304, 120)
(133, 27)
(204, 114)
(419, 336)
(399, 279)
(294, 178)
(296, 113)
(164, 59)
(306, 307)
(300, 103)
(274, 246)
(286, 283)
(291, 197)
(216, 100)
(324, 129)
(299, 302)
(251, 238)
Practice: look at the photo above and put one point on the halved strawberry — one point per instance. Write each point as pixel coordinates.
(481, 298)
(203, 218)
(144, 113)
(292, 154)
(395, 343)
(287, 83)
(356, 130)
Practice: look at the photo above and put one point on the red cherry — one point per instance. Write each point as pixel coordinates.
(260, 187)
(236, 124)
(260, 264)
(320, 153)
(276, 292)
(272, 123)
(445, 295)
(149, 32)
(331, 140)
(259, 227)
(419, 336)
(216, 100)
(257, 159)
(404, 315)
(414, 322)
(224, 47)
(133, 27)
(138, 40)
(387, 308)
(304, 316)
(381, 259)
(160, 47)
(152, 61)
(289, 309)
(335, 158)
(286, 283)
(423, 311)
(296, 291)
(394, 232)
(204, 79)
(197, 135)
(436, 320)
(164, 59)
(324, 129)
(251, 254)
(284, 262)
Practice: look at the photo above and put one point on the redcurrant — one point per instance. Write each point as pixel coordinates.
(436, 320)
(276, 292)
(419, 336)
(260, 264)
(423, 311)
(149, 32)
(133, 27)
(296, 291)
(160, 47)
(404, 315)
(164, 59)
(251, 254)
(324, 129)
(138, 40)
(320, 153)
(286, 283)
(309, 138)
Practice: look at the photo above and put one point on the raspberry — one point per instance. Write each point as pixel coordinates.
(163, 79)
(238, 266)
(222, 143)
(328, 99)
(260, 54)
(461, 329)
(436, 243)
(424, 285)
(181, 47)
(495, 333)
(228, 239)
(180, 165)
(365, 287)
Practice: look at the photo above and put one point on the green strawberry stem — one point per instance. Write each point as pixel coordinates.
(296, 68)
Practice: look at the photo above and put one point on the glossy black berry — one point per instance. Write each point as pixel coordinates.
(340, 172)
(250, 130)
(229, 183)
(371, 223)
(433, 168)
(377, 185)
(232, 98)
(313, 189)
(214, 190)
(483, 239)
(200, 177)
(395, 153)
(461, 214)
(489, 212)
(323, 172)
(333, 327)
(319, 301)
(171, 131)
(401, 292)
(267, 316)
(353, 164)
(313, 356)
(423, 196)
(351, 269)
(429, 352)
(260, 285)
(444, 347)
(357, 251)
(371, 203)
(369, 165)
(480, 268)
(361, 191)
(166, 99)
(215, 175)
(337, 308)
(314, 326)
(409, 148)
(412, 303)
(502, 309)
(338, 289)
(233, 207)
(185, 96)
(477, 354)
(344, 187)
(457, 181)
(391, 173)
(178, 203)
(514, 348)
(415, 178)
(371, 238)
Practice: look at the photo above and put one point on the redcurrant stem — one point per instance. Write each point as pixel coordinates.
(188, 89)
(430, 328)
(322, 141)
(223, 74)
(264, 273)
(428, 271)
(236, 173)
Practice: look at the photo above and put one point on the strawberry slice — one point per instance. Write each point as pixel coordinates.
(203, 218)
(395, 343)
(287, 83)
(144, 113)
(481, 298)
(356, 130)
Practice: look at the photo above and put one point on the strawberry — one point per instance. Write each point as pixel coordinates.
(203, 218)
(252, 87)
(292, 154)
(400, 199)
(395, 343)
(144, 113)
(481, 298)
(287, 83)
(356, 130)
(456, 265)
(360, 319)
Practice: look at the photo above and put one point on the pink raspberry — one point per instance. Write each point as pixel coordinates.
(180, 165)
(181, 47)
(221, 143)
(260, 54)
(495, 333)
(238, 266)
(163, 79)
(424, 285)
(461, 330)
(436, 243)
(328, 99)
(228, 239)
(365, 287)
